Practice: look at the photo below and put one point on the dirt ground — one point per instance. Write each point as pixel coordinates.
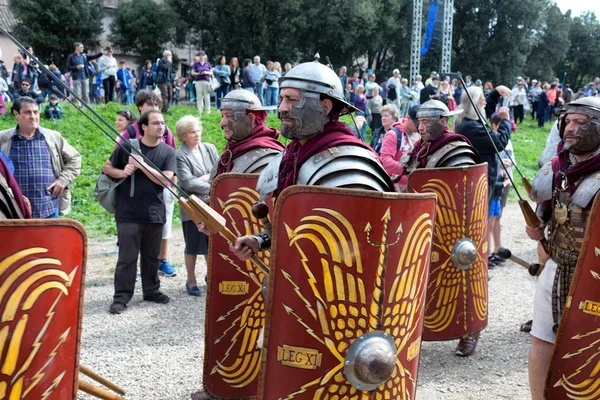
(155, 351)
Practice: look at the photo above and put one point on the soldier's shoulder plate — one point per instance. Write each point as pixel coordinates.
(347, 284)
(587, 190)
(457, 293)
(269, 177)
(543, 182)
(235, 304)
(254, 161)
(345, 166)
(453, 154)
(573, 371)
(42, 269)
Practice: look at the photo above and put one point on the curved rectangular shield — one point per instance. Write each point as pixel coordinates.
(42, 274)
(347, 282)
(235, 309)
(574, 370)
(457, 292)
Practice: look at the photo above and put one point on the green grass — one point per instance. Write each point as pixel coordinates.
(529, 142)
(95, 147)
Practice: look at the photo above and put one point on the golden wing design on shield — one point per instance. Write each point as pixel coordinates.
(240, 367)
(346, 307)
(341, 296)
(18, 297)
(476, 231)
(444, 278)
(403, 305)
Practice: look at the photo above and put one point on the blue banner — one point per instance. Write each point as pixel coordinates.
(431, 21)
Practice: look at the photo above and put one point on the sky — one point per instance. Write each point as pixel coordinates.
(577, 6)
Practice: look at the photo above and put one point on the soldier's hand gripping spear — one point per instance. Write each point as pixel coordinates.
(531, 218)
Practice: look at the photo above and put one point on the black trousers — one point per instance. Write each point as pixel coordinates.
(534, 107)
(519, 113)
(134, 239)
(109, 89)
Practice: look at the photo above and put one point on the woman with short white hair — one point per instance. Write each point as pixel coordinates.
(195, 161)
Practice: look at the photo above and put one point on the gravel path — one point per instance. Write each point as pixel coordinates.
(155, 351)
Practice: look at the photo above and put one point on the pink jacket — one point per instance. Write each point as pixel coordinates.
(390, 157)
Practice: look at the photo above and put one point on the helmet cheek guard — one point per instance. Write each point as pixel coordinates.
(240, 125)
(309, 117)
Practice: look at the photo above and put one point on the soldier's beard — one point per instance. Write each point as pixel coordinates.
(587, 139)
(435, 129)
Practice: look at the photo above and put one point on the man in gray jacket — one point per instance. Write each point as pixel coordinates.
(45, 163)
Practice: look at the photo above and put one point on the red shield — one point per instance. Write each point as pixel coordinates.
(235, 306)
(346, 264)
(574, 371)
(42, 269)
(457, 299)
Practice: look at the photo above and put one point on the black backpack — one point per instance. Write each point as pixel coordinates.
(378, 141)
(392, 94)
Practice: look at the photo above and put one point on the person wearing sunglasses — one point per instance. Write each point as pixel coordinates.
(27, 91)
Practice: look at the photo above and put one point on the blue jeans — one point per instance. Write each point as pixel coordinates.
(272, 96)
(124, 96)
(55, 214)
(130, 96)
(220, 93)
(261, 93)
(250, 89)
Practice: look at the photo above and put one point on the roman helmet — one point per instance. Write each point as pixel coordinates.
(588, 135)
(240, 101)
(314, 80)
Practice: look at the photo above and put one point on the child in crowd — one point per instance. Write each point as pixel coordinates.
(53, 110)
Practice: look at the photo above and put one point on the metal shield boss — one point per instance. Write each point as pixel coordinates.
(235, 307)
(42, 265)
(573, 372)
(346, 294)
(457, 292)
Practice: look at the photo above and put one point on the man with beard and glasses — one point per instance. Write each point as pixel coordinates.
(323, 150)
(565, 189)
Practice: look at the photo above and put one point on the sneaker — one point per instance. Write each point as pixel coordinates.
(157, 297)
(117, 307)
(113, 251)
(166, 269)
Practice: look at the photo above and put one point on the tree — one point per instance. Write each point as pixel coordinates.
(51, 27)
(582, 61)
(552, 46)
(144, 29)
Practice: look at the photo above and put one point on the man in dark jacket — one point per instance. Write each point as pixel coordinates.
(165, 79)
(469, 125)
(430, 91)
(78, 63)
(247, 82)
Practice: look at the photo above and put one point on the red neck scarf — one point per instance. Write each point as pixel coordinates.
(262, 136)
(14, 186)
(334, 133)
(561, 165)
(423, 150)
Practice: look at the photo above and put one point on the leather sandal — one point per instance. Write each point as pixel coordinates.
(466, 345)
(526, 327)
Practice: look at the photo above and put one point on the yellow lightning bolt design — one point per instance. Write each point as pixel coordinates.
(578, 352)
(40, 374)
(578, 336)
(308, 329)
(239, 332)
(237, 307)
(289, 278)
(53, 386)
(228, 329)
(302, 389)
(232, 263)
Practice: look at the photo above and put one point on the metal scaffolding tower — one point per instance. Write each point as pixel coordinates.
(446, 64)
(415, 42)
